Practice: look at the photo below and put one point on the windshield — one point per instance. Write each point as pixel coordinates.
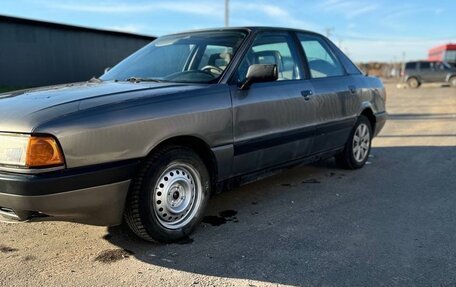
(199, 57)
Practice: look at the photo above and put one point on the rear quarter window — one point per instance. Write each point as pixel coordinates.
(350, 67)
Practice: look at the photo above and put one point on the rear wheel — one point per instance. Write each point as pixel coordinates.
(413, 83)
(169, 195)
(357, 148)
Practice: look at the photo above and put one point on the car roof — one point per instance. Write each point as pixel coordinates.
(248, 29)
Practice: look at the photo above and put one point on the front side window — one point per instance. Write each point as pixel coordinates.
(199, 57)
(440, 66)
(270, 48)
(321, 60)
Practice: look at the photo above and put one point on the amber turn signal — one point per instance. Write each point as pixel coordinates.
(43, 152)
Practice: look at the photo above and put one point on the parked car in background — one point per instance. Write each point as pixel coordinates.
(418, 72)
(186, 116)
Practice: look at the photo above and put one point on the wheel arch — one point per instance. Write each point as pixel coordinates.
(196, 144)
(369, 114)
(417, 77)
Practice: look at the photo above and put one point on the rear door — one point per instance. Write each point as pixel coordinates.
(274, 122)
(336, 93)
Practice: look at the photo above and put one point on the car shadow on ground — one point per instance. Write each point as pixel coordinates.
(392, 222)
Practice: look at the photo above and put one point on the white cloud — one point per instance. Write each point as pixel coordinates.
(438, 11)
(204, 8)
(273, 11)
(350, 9)
(276, 15)
(130, 28)
(267, 9)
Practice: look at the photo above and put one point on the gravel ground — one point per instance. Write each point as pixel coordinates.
(391, 223)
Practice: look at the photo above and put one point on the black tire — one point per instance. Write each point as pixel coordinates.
(452, 81)
(347, 158)
(413, 83)
(142, 213)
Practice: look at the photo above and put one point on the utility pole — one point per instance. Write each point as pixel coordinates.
(340, 43)
(329, 32)
(403, 62)
(227, 13)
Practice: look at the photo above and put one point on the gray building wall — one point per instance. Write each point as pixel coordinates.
(35, 53)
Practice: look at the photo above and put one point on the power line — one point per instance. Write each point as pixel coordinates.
(329, 32)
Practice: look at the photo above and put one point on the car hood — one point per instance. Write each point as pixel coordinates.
(21, 111)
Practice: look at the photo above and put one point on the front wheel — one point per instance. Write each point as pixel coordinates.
(357, 148)
(453, 81)
(168, 196)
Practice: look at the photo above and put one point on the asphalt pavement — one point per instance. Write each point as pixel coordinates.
(391, 223)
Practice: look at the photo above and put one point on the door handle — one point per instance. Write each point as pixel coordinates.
(306, 94)
(352, 89)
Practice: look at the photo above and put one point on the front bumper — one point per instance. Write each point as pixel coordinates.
(92, 195)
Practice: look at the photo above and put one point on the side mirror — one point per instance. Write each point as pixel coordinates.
(107, 69)
(259, 73)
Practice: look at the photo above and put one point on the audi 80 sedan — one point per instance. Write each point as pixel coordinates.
(186, 116)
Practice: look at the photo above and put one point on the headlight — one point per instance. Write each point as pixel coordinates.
(29, 151)
(13, 149)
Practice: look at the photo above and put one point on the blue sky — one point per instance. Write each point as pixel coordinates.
(381, 30)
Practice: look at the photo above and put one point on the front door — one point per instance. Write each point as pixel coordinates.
(439, 72)
(273, 121)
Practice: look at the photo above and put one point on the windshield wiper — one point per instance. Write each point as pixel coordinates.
(94, 80)
(138, 79)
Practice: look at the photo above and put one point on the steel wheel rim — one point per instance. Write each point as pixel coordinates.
(177, 195)
(361, 143)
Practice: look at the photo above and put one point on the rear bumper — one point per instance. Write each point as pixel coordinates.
(93, 195)
(380, 120)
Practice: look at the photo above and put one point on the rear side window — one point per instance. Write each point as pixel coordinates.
(410, 66)
(321, 60)
(425, 65)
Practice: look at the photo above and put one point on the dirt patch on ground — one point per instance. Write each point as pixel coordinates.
(113, 255)
(7, 249)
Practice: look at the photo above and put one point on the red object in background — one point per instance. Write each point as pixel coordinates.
(438, 53)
